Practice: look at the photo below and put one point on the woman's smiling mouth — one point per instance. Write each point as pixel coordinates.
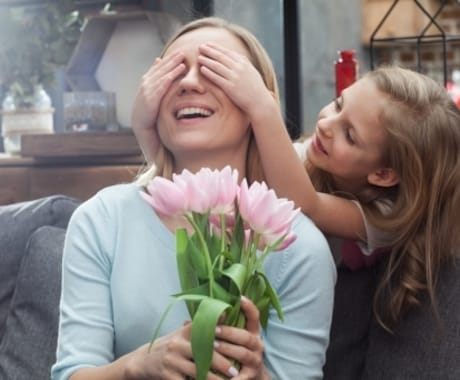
(193, 112)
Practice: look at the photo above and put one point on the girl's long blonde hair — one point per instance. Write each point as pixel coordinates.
(423, 128)
(164, 161)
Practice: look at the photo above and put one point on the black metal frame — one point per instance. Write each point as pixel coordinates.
(292, 75)
(419, 39)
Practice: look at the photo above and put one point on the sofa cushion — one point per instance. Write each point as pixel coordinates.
(421, 347)
(18, 221)
(28, 347)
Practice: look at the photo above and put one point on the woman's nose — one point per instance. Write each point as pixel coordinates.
(192, 81)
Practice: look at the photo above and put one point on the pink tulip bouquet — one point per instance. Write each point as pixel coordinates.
(235, 227)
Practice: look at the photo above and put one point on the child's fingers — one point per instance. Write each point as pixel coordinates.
(213, 69)
(226, 57)
(219, 51)
(164, 65)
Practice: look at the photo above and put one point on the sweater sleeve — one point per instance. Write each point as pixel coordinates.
(301, 147)
(304, 277)
(85, 326)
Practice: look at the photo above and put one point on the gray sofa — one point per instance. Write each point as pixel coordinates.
(31, 240)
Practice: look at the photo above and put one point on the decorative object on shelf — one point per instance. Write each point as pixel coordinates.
(431, 32)
(44, 38)
(346, 70)
(18, 120)
(115, 50)
(90, 111)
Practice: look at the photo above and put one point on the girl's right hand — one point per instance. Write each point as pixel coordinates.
(154, 84)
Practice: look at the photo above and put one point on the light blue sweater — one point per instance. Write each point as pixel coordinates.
(119, 271)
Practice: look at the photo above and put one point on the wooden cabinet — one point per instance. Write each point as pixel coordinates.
(74, 167)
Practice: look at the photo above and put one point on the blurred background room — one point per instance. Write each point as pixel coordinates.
(74, 65)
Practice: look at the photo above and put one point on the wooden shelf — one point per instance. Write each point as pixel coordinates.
(78, 144)
(73, 164)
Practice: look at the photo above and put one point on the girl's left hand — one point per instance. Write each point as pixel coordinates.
(242, 345)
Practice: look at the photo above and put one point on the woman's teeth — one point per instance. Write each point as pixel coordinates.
(191, 112)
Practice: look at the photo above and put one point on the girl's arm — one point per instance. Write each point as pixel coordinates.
(283, 169)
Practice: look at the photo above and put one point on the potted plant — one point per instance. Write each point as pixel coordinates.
(34, 42)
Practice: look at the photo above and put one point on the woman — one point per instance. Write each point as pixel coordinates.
(119, 267)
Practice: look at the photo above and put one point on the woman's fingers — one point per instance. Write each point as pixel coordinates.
(252, 315)
(245, 346)
(170, 357)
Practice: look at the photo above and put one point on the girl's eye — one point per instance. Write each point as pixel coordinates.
(349, 137)
(338, 104)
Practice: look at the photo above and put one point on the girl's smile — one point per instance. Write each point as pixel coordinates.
(317, 145)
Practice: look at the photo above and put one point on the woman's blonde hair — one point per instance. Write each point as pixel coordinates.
(423, 146)
(259, 58)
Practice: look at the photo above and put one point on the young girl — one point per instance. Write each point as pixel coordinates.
(383, 170)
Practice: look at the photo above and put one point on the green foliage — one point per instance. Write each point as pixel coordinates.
(34, 42)
(213, 279)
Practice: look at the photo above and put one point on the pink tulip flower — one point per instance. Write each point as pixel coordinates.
(211, 201)
(165, 197)
(207, 190)
(210, 190)
(267, 215)
(226, 191)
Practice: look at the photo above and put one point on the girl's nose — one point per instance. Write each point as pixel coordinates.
(192, 81)
(326, 127)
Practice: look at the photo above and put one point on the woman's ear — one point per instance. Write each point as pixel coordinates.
(384, 177)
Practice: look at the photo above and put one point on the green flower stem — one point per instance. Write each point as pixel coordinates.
(253, 254)
(223, 240)
(207, 256)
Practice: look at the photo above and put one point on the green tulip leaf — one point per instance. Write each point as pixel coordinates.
(214, 246)
(196, 257)
(274, 300)
(223, 294)
(182, 297)
(256, 287)
(187, 275)
(237, 240)
(203, 333)
(237, 273)
(263, 304)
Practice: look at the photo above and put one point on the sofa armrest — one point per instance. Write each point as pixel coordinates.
(18, 221)
(28, 347)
